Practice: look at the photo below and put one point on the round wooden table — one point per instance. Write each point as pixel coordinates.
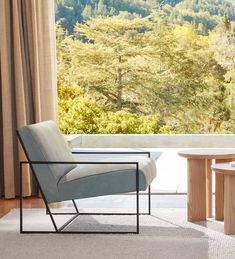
(228, 172)
(200, 181)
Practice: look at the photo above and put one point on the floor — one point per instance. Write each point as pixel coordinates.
(113, 201)
(7, 205)
(165, 234)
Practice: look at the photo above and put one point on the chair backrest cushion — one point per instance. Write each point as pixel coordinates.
(44, 142)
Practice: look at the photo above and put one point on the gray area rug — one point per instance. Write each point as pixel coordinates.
(165, 234)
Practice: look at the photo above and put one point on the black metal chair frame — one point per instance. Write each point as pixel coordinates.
(77, 213)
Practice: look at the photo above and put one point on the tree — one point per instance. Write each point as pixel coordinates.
(203, 12)
(79, 114)
(101, 9)
(87, 12)
(119, 64)
(142, 68)
(222, 43)
(68, 13)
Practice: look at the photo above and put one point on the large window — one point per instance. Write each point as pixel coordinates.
(146, 66)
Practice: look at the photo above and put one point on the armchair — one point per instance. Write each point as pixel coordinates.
(60, 178)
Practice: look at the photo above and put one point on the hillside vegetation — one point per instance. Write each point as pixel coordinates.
(146, 66)
(202, 13)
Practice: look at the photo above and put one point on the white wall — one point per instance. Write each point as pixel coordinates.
(153, 140)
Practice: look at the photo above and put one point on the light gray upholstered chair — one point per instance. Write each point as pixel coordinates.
(61, 178)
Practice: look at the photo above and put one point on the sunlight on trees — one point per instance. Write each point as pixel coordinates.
(145, 67)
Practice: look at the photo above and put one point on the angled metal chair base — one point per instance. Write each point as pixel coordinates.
(61, 229)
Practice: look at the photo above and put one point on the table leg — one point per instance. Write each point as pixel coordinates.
(229, 205)
(219, 192)
(208, 188)
(196, 189)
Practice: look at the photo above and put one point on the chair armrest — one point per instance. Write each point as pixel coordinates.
(79, 162)
(112, 152)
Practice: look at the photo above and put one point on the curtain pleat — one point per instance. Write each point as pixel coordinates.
(28, 81)
(1, 141)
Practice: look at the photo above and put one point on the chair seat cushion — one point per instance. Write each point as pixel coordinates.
(146, 166)
(104, 179)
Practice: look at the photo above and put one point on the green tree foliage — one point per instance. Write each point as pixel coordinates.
(204, 14)
(79, 114)
(70, 12)
(120, 60)
(141, 68)
(222, 43)
(146, 66)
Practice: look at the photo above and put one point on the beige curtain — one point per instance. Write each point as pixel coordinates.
(28, 91)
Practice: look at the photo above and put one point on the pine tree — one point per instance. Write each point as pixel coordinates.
(87, 12)
(101, 8)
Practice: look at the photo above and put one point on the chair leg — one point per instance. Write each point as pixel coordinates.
(149, 200)
(21, 207)
(75, 206)
(21, 201)
(137, 200)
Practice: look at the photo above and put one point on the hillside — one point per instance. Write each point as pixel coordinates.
(204, 14)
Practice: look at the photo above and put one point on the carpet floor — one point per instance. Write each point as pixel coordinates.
(164, 234)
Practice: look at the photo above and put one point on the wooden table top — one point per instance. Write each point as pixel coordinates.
(224, 168)
(208, 153)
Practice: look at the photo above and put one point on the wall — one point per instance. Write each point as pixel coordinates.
(153, 141)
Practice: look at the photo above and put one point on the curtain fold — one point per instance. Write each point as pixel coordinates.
(27, 81)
